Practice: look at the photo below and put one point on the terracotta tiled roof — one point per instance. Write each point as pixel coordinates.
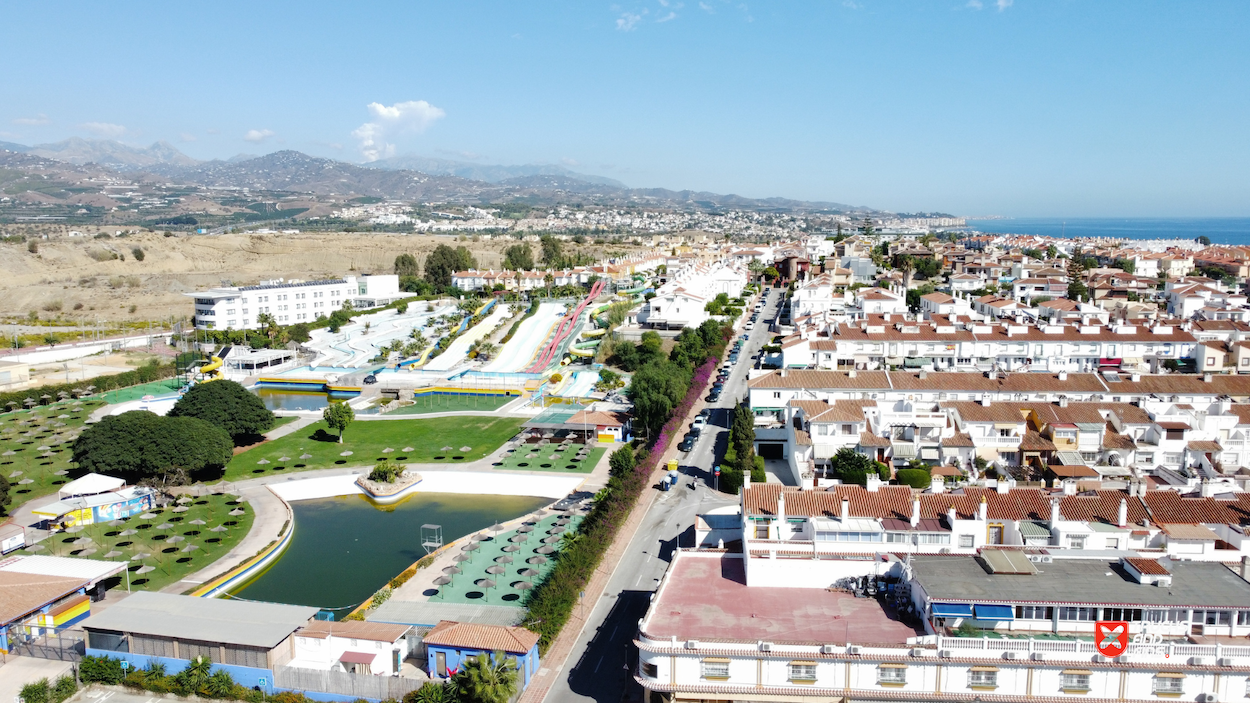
(513, 640)
(1072, 471)
(1034, 442)
(1114, 440)
(959, 439)
(868, 439)
(1150, 567)
(1168, 507)
(1204, 446)
(802, 438)
(1103, 506)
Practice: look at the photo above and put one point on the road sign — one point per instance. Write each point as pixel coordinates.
(125, 665)
(262, 681)
(1111, 637)
(718, 471)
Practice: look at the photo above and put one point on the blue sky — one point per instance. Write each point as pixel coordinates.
(1024, 108)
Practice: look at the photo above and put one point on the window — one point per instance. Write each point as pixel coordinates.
(983, 677)
(1212, 617)
(1113, 543)
(1129, 614)
(716, 669)
(1210, 361)
(1075, 681)
(803, 671)
(1243, 617)
(1035, 612)
(1145, 457)
(848, 429)
(1172, 458)
(1169, 684)
(965, 541)
(892, 675)
(650, 670)
(776, 394)
(761, 530)
(1076, 541)
(1167, 616)
(1078, 614)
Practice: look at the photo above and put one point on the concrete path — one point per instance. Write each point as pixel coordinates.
(269, 515)
(19, 671)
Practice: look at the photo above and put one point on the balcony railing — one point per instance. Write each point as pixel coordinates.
(1084, 647)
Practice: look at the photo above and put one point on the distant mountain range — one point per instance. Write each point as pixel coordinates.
(399, 178)
(485, 172)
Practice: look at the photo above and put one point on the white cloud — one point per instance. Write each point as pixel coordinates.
(670, 16)
(104, 129)
(187, 137)
(1004, 4)
(257, 136)
(850, 4)
(974, 4)
(628, 20)
(411, 116)
(36, 120)
(707, 8)
(570, 162)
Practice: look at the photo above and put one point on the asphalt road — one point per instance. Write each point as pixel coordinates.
(603, 670)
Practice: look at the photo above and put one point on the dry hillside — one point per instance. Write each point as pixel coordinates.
(69, 270)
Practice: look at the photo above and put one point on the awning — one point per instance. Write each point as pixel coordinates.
(358, 657)
(1070, 458)
(995, 612)
(904, 451)
(929, 453)
(915, 362)
(952, 610)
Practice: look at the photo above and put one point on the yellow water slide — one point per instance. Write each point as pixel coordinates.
(212, 371)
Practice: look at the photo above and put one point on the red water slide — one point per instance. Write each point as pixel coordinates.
(564, 329)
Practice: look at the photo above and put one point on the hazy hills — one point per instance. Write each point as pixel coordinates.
(410, 178)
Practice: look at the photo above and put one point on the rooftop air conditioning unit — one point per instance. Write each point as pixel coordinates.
(1208, 698)
(945, 653)
(1229, 661)
(1035, 558)
(917, 651)
(1009, 655)
(853, 649)
(692, 644)
(827, 649)
(766, 646)
(1200, 661)
(1046, 559)
(1101, 659)
(1038, 656)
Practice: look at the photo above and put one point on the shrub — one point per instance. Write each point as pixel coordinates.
(385, 472)
(32, 246)
(916, 478)
(107, 670)
(138, 253)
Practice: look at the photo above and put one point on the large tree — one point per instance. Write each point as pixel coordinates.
(228, 405)
(406, 265)
(140, 444)
(553, 250)
(338, 416)
(444, 261)
(518, 257)
(852, 467)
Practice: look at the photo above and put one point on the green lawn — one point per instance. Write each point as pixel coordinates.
(548, 459)
(23, 432)
(453, 403)
(366, 440)
(167, 557)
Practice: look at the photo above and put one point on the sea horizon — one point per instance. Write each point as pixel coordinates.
(1220, 230)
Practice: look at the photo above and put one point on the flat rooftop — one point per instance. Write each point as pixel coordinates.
(214, 620)
(1079, 581)
(705, 597)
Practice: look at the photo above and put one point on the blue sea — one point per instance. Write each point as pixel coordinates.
(1221, 230)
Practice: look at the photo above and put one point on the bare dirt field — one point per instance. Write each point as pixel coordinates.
(79, 276)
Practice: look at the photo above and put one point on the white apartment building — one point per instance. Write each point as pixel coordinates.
(289, 302)
(710, 635)
(680, 302)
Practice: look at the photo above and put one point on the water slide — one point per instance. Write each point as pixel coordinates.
(212, 370)
(518, 352)
(460, 348)
(564, 330)
(580, 385)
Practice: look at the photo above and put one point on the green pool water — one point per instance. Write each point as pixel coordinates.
(346, 548)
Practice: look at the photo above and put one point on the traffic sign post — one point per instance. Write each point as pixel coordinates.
(1111, 637)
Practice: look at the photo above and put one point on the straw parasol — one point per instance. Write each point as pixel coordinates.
(305, 456)
(408, 449)
(495, 570)
(263, 461)
(517, 538)
(545, 549)
(82, 541)
(442, 580)
(73, 529)
(176, 539)
(62, 472)
(128, 533)
(503, 559)
(181, 509)
(538, 561)
(284, 458)
(346, 453)
(197, 521)
(218, 528)
(478, 537)
(147, 516)
(189, 548)
(88, 552)
(185, 499)
(522, 585)
(36, 548)
(451, 570)
(471, 546)
(511, 548)
(237, 512)
(15, 474)
(551, 540)
(528, 572)
(388, 450)
(524, 528)
(164, 526)
(486, 583)
(460, 558)
(112, 553)
(555, 530)
(44, 448)
(145, 569)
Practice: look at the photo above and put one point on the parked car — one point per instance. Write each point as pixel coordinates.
(699, 423)
(713, 396)
(686, 445)
(371, 379)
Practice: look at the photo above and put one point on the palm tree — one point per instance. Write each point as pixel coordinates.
(433, 693)
(549, 279)
(492, 680)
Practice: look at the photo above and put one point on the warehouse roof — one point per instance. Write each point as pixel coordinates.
(233, 622)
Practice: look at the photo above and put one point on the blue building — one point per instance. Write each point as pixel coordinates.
(450, 645)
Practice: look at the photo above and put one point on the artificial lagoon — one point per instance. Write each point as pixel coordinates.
(345, 548)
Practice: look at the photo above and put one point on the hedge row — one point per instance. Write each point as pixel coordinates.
(147, 373)
(551, 603)
(512, 330)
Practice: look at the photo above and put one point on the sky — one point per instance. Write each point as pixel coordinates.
(973, 107)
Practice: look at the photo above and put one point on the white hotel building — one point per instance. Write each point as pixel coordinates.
(289, 302)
